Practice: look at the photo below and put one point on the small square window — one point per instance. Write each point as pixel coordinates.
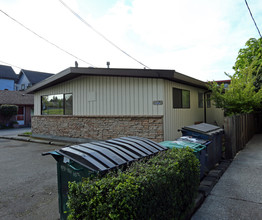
(181, 98)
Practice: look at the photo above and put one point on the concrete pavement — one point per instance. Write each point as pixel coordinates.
(238, 193)
(15, 134)
(13, 131)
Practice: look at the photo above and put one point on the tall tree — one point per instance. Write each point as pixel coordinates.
(251, 54)
(241, 95)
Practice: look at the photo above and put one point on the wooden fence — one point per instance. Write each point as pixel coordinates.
(239, 130)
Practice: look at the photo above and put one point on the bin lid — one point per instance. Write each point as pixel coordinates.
(182, 144)
(105, 155)
(204, 128)
(193, 140)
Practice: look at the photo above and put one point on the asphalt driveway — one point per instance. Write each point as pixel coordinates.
(28, 184)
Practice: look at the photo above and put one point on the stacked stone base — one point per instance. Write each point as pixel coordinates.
(99, 127)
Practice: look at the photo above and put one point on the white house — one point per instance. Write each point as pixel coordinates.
(103, 103)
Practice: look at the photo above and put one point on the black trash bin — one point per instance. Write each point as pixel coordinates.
(207, 132)
(83, 160)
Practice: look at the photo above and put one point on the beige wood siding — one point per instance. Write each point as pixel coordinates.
(175, 119)
(100, 95)
(215, 116)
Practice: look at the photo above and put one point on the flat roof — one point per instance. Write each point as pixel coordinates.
(73, 72)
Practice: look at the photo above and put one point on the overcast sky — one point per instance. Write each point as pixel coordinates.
(197, 38)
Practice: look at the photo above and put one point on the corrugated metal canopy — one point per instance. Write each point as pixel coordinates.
(106, 155)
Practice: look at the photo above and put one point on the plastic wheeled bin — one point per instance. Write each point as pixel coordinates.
(198, 145)
(83, 160)
(207, 132)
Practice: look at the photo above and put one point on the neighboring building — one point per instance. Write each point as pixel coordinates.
(25, 103)
(28, 78)
(225, 82)
(7, 78)
(103, 103)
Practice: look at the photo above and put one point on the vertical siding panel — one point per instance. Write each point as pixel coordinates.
(106, 106)
(145, 95)
(76, 100)
(177, 118)
(100, 95)
(94, 106)
(103, 92)
(136, 98)
(123, 95)
(160, 96)
(119, 96)
(132, 97)
(128, 96)
(141, 96)
(150, 97)
(88, 91)
(108, 95)
(113, 95)
(81, 107)
(155, 92)
(86, 82)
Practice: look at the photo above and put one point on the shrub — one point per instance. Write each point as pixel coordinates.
(8, 111)
(163, 187)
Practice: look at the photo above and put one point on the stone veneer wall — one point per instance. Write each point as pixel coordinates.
(99, 127)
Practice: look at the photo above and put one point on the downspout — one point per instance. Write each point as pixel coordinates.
(205, 106)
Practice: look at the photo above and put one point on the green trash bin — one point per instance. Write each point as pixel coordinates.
(199, 151)
(83, 160)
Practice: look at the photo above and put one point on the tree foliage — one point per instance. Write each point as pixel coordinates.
(244, 94)
(241, 96)
(251, 54)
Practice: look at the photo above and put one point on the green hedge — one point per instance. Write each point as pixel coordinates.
(163, 187)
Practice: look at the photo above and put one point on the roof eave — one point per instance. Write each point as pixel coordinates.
(73, 72)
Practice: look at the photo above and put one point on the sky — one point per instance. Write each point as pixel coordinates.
(200, 39)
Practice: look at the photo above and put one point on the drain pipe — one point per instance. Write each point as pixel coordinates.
(205, 106)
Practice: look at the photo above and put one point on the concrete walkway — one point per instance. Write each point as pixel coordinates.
(238, 194)
(13, 131)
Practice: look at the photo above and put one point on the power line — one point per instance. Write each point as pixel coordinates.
(253, 18)
(44, 38)
(101, 35)
(10, 64)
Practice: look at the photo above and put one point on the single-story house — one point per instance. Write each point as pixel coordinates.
(25, 103)
(103, 103)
